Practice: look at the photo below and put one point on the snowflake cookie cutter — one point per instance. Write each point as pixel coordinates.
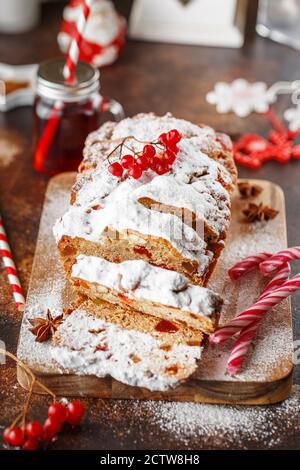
(243, 97)
(17, 83)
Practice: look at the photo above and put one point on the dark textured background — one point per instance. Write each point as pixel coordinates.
(148, 77)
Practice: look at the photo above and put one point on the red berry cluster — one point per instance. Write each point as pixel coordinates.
(30, 435)
(157, 156)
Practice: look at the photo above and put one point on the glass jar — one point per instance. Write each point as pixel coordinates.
(279, 20)
(63, 115)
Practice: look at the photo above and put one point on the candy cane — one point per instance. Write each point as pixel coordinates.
(10, 268)
(247, 265)
(276, 261)
(74, 50)
(241, 348)
(243, 343)
(255, 313)
(277, 280)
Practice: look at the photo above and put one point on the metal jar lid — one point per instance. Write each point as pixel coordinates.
(51, 84)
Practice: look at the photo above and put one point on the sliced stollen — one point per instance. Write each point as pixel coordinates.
(179, 220)
(110, 341)
(155, 291)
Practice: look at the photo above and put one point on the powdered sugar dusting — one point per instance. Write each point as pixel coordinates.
(48, 288)
(217, 426)
(272, 348)
(272, 353)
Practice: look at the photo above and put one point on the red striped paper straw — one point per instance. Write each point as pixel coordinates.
(46, 139)
(74, 50)
(10, 268)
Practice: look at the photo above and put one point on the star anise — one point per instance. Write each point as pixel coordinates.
(249, 190)
(44, 328)
(259, 212)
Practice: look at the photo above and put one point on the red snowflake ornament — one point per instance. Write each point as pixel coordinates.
(252, 150)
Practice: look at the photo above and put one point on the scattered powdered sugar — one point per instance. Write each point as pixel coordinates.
(271, 353)
(235, 427)
(48, 288)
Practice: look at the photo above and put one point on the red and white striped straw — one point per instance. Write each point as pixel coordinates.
(256, 312)
(74, 50)
(247, 265)
(10, 268)
(50, 129)
(276, 261)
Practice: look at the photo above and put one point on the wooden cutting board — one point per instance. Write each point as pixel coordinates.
(267, 373)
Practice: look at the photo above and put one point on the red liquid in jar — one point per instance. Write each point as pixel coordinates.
(59, 135)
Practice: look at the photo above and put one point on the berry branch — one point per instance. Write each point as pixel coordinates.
(157, 155)
(28, 435)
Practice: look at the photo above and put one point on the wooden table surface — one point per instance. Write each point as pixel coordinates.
(148, 77)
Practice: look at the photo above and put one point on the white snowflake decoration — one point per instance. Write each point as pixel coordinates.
(241, 97)
(292, 115)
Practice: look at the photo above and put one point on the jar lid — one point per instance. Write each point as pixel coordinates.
(51, 83)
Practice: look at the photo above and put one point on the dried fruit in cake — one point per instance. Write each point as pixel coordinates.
(150, 290)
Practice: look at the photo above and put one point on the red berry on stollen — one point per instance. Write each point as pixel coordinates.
(14, 436)
(75, 412)
(143, 161)
(135, 171)
(163, 139)
(173, 147)
(115, 169)
(30, 444)
(34, 429)
(162, 168)
(149, 151)
(154, 161)
(58, 412)
(169, 156)
(127, 161)
(52, 426)
(173, 136)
